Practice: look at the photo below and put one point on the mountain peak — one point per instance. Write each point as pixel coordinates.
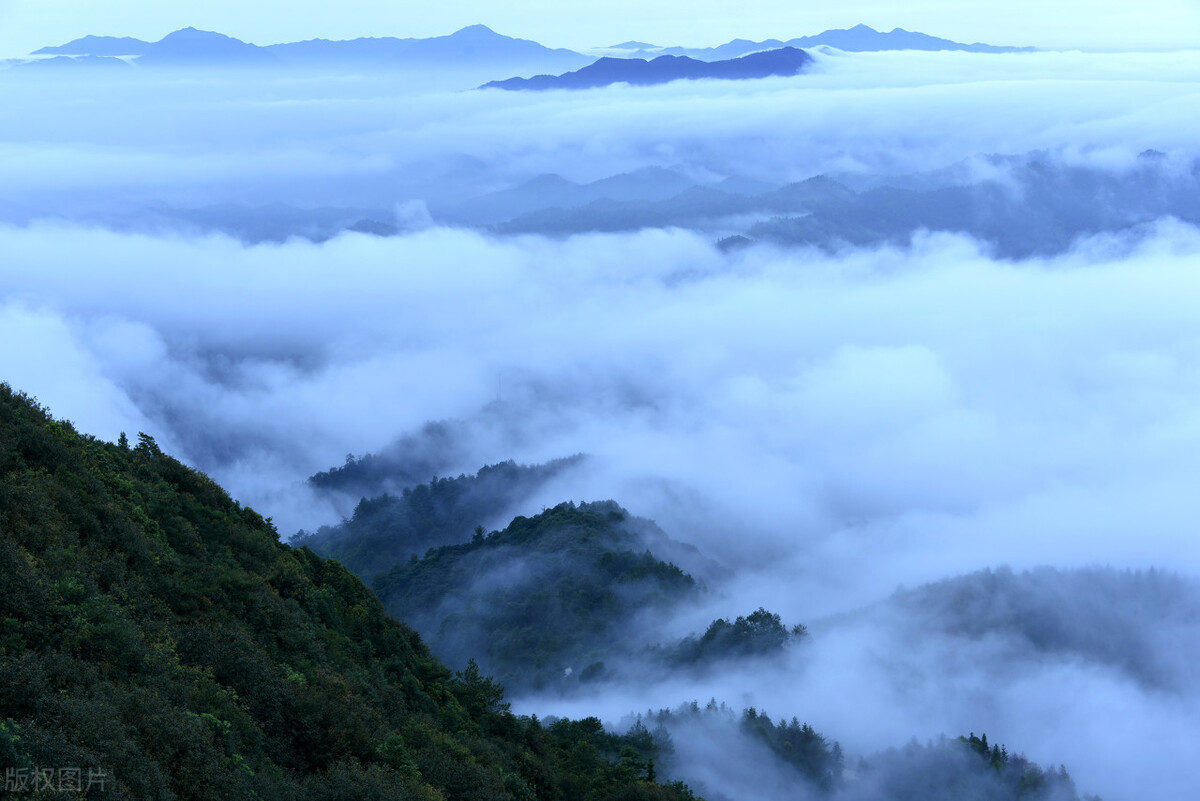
(477, 31)
(632, 44)
(195, 34)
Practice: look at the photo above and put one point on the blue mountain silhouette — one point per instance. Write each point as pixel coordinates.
(637, 72)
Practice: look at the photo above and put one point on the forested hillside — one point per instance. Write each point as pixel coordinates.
(391, 527)
(157, 638)
(544, 600)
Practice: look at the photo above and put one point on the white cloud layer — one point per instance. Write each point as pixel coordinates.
(939, 409)
(370, 140)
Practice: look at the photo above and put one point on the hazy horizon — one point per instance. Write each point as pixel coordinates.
(26, 25)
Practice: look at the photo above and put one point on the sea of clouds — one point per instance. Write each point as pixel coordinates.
(830, 425)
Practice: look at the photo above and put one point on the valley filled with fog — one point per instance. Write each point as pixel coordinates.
(903, 348)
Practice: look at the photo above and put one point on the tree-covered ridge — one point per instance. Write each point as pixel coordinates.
(155, 632)
(544, 600)
(390, 528)
(760, 633)
(793, 760)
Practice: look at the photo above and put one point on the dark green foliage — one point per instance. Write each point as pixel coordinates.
(758, 634)
(951, 770)
(408, 461)
(1020, 777)
(799, 745)
(388, 529)
(551, 592)
(154, 629)
(817, 761)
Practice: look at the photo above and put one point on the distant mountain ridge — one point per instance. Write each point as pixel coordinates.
(97, 46)
(473, 45)
(859, 39)
(664, 69)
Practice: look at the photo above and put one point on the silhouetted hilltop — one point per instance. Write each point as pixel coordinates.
(664, 69)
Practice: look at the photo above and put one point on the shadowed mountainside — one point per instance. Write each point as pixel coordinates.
(664, 69)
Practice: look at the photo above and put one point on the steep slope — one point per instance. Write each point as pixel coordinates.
(157, 637)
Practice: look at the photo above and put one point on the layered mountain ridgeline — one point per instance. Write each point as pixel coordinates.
(1029, 207)
(478, 44)
(607, 71)
(1019, 206)
(551, 191)
(158, 638)
(544, 601)
(389, 529)
(474, 45)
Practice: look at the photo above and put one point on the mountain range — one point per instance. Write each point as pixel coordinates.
(664, 69)
(859, 39)
(475, 45)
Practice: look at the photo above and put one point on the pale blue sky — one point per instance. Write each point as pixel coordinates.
(1089, 24)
